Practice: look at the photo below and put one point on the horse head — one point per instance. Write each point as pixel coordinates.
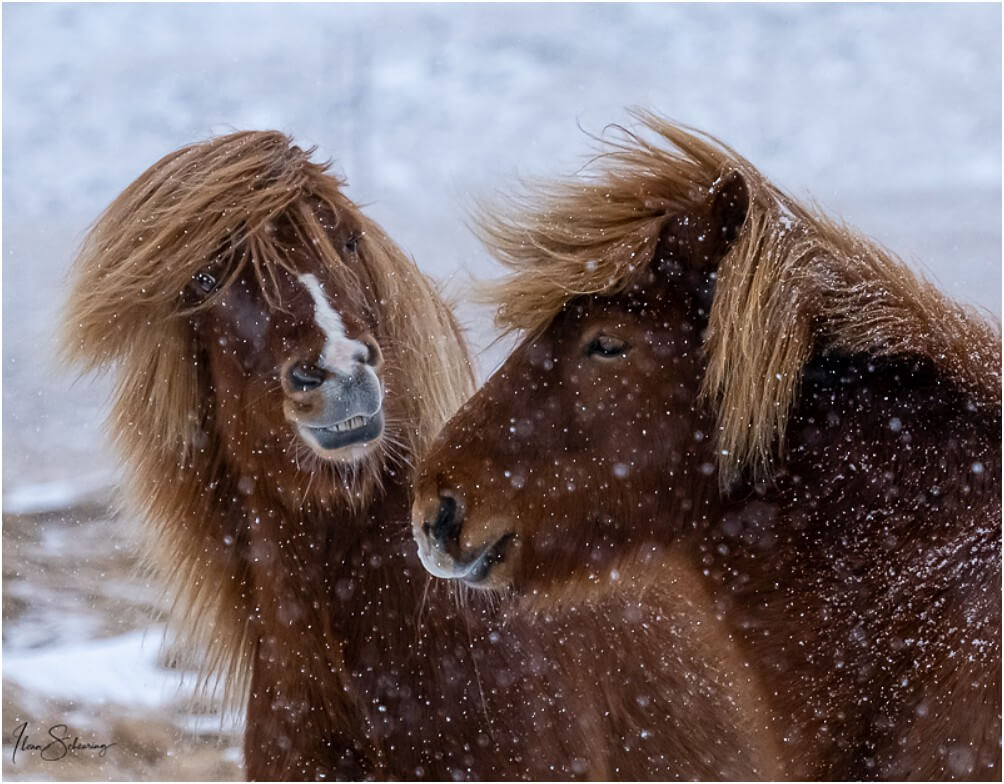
(592, 435)
(279, 362)
(292, 346)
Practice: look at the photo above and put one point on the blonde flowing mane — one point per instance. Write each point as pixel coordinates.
(795, 281)
(217, 203)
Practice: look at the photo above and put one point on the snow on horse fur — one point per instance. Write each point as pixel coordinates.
(189, 286)
(280, 366)
(725, 389)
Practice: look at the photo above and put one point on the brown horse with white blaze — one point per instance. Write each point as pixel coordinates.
(721, 385)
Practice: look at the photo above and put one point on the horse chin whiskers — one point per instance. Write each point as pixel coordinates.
(353, 482)
(493, 596)
(394, 445)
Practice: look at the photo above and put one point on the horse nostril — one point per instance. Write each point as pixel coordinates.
(446, 527)
(304, 377)
(373, 356)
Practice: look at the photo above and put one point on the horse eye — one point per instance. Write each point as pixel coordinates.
(352, 243)
(204, 282)
(606, 346)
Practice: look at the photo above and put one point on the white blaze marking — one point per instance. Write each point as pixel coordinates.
(340, 352)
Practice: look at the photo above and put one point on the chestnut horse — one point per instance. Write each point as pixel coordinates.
(721, 385)
(280, 363)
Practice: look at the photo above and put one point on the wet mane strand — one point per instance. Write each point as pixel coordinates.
(805, 280)
(220, 205)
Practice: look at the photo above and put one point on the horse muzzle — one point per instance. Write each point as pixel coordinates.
(437, 530)
(334, 411)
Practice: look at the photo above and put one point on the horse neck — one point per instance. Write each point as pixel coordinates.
(313, 555)
(876, 507)
(651, 627)
(877, 461)
(345, 583)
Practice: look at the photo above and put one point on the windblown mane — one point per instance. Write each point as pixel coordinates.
(217, 204)
(794, 282)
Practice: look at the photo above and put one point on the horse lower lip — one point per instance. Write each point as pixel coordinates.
(482, 565)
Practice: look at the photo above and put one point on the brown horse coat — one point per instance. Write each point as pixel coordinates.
(820, 453)
(292, 574)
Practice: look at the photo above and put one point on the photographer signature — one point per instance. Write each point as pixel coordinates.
(57, 746)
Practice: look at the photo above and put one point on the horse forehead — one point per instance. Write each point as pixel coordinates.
(340, 352)
(328, 319)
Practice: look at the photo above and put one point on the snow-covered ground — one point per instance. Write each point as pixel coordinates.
(889, 115)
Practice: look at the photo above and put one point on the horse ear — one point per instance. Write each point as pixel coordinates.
(729, 205)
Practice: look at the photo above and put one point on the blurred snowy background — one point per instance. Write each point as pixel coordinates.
(887, 115)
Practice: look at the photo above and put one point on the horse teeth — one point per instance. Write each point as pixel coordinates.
(349, 424)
